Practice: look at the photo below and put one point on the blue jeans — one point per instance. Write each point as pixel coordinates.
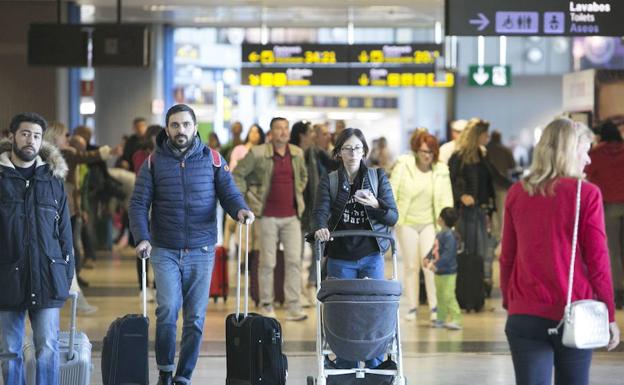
(183, 281)
(534, 353)
(371, 266)
(45, 325)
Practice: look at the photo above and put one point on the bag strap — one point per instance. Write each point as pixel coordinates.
(333, 185)
(373, 179)
(577, 216)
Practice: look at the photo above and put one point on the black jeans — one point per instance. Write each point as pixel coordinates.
(534, 353)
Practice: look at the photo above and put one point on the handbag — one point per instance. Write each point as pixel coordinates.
(585, 322)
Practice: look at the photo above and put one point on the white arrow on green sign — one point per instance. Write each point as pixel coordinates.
(489, 76)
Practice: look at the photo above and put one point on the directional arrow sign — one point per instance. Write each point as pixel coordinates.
(481, 22)
(489, 76)
(480, 77)
(363, 57)
(254, 57)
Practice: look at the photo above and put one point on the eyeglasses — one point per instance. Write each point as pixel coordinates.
(353, 150)
(425, 152)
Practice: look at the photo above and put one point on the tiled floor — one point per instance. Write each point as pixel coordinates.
(476, 355)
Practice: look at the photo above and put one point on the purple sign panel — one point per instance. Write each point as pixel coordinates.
(517, 22)
(554, 23)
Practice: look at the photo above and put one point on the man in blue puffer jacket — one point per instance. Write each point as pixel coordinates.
(181, 183)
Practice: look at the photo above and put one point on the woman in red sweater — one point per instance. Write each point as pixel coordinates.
(536, 253)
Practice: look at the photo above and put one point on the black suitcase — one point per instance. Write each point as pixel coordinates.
(470, 288)
(125, 348)
(253, 342)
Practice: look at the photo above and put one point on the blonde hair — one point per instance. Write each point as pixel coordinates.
(55, 130)
(556, 155)
(468, 147)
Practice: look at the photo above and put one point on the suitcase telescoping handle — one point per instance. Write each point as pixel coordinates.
(240, 255)
(318, 245)
(144, 257)
(72, 325)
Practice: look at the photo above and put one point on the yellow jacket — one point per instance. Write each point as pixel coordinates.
(406, 184)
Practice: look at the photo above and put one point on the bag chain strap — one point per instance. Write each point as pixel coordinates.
(566, 313)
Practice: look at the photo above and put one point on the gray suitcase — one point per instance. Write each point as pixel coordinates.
(75, 355)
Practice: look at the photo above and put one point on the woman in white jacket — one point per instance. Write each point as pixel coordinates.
(422, 188)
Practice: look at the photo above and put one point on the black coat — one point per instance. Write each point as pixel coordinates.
(36, 257)
(328, 212)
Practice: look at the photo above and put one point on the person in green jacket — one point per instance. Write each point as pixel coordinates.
(422, 188)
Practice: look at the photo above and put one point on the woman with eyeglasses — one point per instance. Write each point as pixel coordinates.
(357, 204)
(422, 187)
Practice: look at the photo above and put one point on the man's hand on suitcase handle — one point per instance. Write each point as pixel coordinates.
(246, 216)
(144, 249)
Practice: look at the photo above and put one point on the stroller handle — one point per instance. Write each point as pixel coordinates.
(318, 244)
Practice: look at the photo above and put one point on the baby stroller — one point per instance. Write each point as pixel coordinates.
(370, 308)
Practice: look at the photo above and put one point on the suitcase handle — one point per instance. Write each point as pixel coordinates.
(240, 255)
(144, 257)
(72, 325)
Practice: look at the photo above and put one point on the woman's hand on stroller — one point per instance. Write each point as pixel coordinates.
(322, 234)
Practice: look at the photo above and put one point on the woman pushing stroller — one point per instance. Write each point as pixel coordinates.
(354, 198)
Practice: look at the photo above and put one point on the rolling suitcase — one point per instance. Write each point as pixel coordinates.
(125, 347)
(219, 285)
(74, 358)
(278, 277)
(470, 289)
(253, 342)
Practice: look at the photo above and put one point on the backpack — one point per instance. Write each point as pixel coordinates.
(373, 179)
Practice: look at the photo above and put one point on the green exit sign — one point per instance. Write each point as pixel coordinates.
(489, 76)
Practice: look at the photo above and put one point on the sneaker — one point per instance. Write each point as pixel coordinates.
(83, 306)
(437, 324)
(296, 315)
(411, 315)
(434, 314)
(453, 326)
(267, 311)
(310, 291)
(305, 303)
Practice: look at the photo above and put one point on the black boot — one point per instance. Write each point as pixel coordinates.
(165, 378)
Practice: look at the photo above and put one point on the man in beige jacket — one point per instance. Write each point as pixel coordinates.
(272, 177)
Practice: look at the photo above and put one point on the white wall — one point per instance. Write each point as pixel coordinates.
(515, 111)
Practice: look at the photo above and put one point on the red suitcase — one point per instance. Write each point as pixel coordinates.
(219, 285)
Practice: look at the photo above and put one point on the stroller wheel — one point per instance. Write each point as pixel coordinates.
(310, 380)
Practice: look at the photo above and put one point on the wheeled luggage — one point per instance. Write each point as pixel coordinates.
(278, 277)
(219, 283)
(470, 288)
(253, 342)
(74, 358)
(125, 347)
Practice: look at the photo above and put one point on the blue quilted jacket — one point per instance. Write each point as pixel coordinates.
(182, 192)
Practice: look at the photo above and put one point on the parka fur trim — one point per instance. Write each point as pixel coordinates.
(48, 154)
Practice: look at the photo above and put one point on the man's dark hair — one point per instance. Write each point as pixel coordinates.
(449, 216)
(135, 121)
(609, 132)
(28, 117)
(179, 108)
(344, 136)
(277, 119)
(298, 129)
(496, 137)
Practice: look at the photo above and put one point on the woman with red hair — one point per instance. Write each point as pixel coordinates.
(422, 188)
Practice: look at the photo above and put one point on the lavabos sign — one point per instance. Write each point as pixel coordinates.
(534, 17)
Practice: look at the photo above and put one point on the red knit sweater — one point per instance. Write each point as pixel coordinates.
(536, 251)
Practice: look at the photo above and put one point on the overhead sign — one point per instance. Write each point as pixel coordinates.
(400, 77)
(387, 65)
(534, 17)
(411, 54)
(489, 76)
(288, 54)
(285, 77)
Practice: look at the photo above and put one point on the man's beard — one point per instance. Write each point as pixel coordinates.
(181, 142)
(22, 155)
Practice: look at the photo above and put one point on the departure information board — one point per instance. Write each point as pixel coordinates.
(534, 17)
(388, 65)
